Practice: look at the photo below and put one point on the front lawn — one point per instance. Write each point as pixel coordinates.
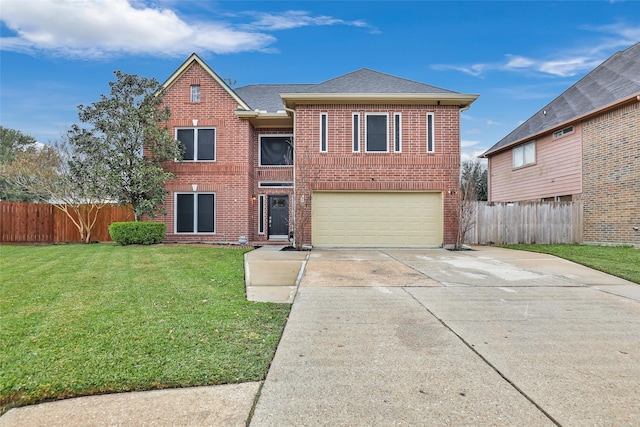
(620, 261)
(100, 318)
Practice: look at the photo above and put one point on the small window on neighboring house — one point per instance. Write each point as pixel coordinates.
(377, 136)
(324, 131)
(397, 132)
(356, 132)
(195, 93)
(199, 144)
(276, 150)
(524, 155)
(430, 134)
(195, 212)
(563, 132)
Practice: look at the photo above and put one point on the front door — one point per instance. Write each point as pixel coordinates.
(278, 217)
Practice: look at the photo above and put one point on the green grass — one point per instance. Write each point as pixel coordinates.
(620, 261)
(87, 319)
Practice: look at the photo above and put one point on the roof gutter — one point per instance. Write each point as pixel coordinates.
(460, 99)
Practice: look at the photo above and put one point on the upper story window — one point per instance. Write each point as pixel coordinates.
(431, 147)
(324, 132)
(276, 150)
(195, 93)
(199, 144)
(524, 154)
(356, 132)
(397, 132)
(563, 132)
(377, 132)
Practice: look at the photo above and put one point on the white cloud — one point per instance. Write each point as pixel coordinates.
(294, 19)
(466, 143)
(492, 123)
(474, 131)
(99, 28)
(564, 63)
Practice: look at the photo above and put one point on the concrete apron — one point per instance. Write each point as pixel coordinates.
(272, 275)
(485, 337)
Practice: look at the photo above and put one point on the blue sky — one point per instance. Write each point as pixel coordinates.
(518, 55)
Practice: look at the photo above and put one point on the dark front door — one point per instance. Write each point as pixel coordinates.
(278, 217)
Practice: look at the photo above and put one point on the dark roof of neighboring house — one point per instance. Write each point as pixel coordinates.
(369, 81)
(614, 80)
(267, 97)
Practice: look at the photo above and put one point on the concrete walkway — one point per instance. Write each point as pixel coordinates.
(414, 337)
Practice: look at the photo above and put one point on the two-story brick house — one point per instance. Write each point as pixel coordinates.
(362, 160)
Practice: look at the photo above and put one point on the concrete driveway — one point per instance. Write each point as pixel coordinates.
(432, 337)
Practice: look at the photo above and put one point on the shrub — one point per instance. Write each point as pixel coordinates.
(137, 233)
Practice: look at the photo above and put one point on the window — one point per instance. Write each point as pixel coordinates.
(430, 134)
(356, 132)
(563, 132)
(276, 150)
(199, 144)
(195, 93)
(324, 130)
(377, 136)
(195, 212)
(261, 214)
(277, 184)
(524, 155)
(397, 132)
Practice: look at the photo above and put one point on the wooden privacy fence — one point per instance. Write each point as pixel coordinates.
(44, 223)
(526, 222)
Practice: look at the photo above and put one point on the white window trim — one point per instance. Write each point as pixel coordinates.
(324, 132)
(260, 136)
(195, 210)
(431, 132)
(397, 132)
(356, 137)
(195, 142)
(192, 93)
(366, 133)
(522, 147)
(261, 215)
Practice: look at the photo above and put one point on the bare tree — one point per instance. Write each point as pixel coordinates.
(59, 176)
(473, 187)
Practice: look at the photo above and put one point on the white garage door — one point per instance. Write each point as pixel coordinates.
(377, 219)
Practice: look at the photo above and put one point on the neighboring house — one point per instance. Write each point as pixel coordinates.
(362, 160)
(584, 145)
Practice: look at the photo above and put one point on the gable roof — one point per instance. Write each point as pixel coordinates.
(615, 80)
(367, 85)
(195, 58)
(369, 81)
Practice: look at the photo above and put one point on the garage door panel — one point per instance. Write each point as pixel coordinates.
(377, 219)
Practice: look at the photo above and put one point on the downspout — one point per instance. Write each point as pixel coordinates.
(295, 201)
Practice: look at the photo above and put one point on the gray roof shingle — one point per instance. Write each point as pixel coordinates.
(369, 81)
(267, 97)
(615, 79)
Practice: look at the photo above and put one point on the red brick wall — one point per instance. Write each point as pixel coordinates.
(229, 176)
(412, 169)
(611, 167)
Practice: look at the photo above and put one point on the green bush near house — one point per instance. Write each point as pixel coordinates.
(137, 233)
